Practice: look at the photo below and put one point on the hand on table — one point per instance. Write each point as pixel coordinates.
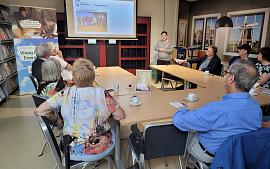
(180, 62)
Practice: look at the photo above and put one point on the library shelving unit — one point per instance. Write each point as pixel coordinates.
(8, 71)
(71, 49)
(135, 54)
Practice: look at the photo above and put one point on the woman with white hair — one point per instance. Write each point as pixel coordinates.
(85, 110)
(52, 81)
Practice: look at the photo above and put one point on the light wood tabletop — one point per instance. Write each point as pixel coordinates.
(112, 71)
(156, 104)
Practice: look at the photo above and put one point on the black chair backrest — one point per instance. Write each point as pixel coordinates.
(34, 81)
(163, 141)
(38, 99)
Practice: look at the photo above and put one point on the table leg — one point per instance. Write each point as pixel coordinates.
(162, 81)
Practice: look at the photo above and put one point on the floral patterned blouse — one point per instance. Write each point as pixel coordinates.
(85, 112)
(264, 69)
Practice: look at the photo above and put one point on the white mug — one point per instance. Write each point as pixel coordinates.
(207, 72)
(134, 99)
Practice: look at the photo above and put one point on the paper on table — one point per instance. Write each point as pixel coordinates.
(177, 104)
(176, 60)
(266, 91)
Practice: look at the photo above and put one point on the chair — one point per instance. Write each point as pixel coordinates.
(34, 81)
(173, 79)
(159, 140)
(52, 142)
(38, 100)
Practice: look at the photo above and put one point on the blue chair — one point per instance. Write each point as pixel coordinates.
(248, 151)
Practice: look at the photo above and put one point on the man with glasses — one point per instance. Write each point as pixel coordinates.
(214, 122)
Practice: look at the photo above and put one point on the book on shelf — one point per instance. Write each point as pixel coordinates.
(5, 33)
(2, 94)
(11, 84)
(9, 68)
(7, 51)
(4, 16)
(1, 76)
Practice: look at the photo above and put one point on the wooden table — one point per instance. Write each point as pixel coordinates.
(112, 71)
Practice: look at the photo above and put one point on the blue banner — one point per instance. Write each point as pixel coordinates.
(25, 55)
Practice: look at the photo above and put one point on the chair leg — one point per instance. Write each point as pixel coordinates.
(166, 161)
(127, 155)
(180, 162)
(109, 160)
(42, 149)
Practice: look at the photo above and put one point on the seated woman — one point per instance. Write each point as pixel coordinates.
(85, 110)
(52, 81)
(264, 67)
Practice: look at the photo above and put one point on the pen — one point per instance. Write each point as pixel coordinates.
(184, 104)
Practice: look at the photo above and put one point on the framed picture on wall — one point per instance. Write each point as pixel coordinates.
(182, 32)
(198, 33)
(249, 27)
(203, 31)
(210, 32)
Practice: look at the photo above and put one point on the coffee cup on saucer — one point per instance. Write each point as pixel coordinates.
(135, 100)
(192, 97)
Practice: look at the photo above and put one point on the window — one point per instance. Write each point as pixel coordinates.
(249, 27)
(203, 31)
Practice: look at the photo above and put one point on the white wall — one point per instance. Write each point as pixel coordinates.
(155, 9)
(151, 8)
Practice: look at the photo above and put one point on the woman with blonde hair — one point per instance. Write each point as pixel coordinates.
(52, 81)
(85, 110)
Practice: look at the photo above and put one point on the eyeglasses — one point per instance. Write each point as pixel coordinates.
(227, 72)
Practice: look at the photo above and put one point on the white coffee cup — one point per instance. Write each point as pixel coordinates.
(192, 97)
(134, 99)
(206, 72)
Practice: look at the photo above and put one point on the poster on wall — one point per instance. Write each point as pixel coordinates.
(198, 33)
(33, 22)
(25, 55)
(247, 29)
(210, 32)
(182, 32)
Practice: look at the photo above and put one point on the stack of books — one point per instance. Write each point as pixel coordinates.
(9, 68)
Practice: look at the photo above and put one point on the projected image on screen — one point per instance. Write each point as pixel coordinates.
(91, 22)
(101, 18)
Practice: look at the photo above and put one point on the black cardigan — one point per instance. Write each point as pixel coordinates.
(214, 66)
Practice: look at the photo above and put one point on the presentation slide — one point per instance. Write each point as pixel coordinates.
(101, 18)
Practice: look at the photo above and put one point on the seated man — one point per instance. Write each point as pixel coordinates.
(209, 62)
(42, 55)
(214, 122)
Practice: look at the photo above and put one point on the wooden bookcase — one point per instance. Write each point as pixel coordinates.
(71, 48)
(8, 70)
(135, 54)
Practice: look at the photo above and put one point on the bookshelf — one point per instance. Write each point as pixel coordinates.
(8, 71)
(135, 54)
(71, 48)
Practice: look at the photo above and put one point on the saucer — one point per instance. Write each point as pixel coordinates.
(193, 100)
(136, 104)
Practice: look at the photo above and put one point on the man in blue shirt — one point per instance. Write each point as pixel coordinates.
(214, 122)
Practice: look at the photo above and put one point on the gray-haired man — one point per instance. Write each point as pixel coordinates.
(42, 55)
(214, 122)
